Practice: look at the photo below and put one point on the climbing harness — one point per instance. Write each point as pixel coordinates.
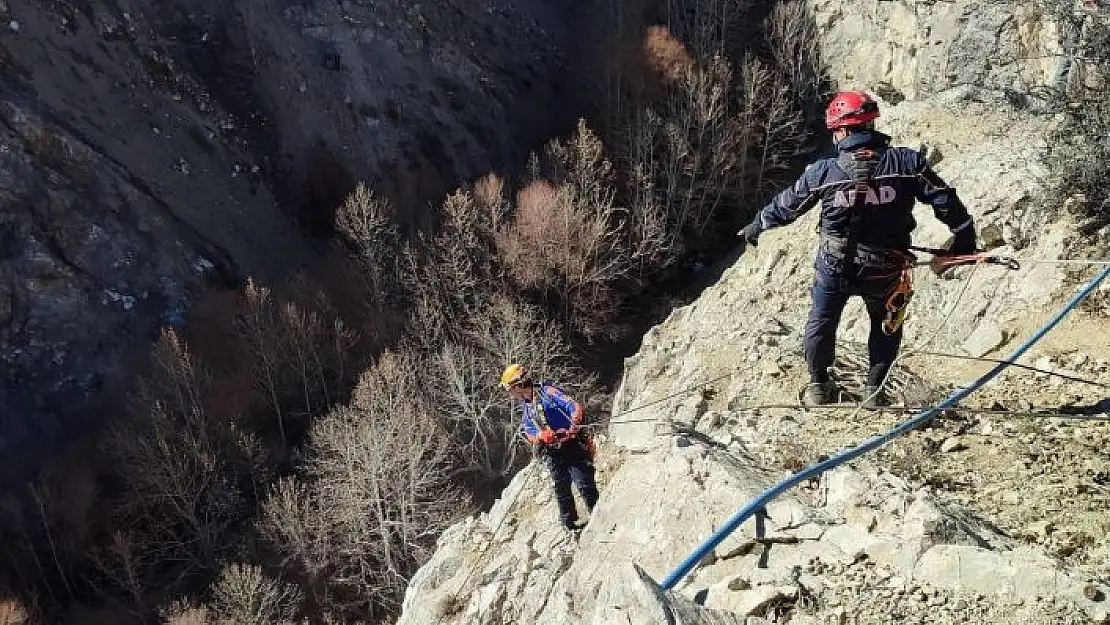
(897, 303)
(944, 259)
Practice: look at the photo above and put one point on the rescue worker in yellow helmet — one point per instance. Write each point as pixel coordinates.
(551, 421)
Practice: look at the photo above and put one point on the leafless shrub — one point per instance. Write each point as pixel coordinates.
(655, 243)
(181, 612)
(665, 54)
(245, 595)
(720, 127)
(541, 225)
(379, 493)
(777, 134)
(700, 146)
(692, 152)
(568, 240)
(489, 192)
(795, 44)
(46, 528)
(364, 219)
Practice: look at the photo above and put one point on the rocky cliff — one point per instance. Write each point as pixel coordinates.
(149, 148)
(978, 518)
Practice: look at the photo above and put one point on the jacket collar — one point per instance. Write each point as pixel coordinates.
(868, 138)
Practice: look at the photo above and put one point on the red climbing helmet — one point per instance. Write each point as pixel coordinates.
(850, 108)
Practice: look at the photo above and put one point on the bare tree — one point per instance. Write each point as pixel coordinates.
(181, 475)
(378, 494)
(298, 354)
(365, 223)
(568, 240)
(795, 44)
(456, 270)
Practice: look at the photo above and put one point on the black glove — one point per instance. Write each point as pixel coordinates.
(749, 234)
(964, 241)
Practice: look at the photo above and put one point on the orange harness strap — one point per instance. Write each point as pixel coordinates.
(897, 302)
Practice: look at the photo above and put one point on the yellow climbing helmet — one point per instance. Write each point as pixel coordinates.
(513, 374)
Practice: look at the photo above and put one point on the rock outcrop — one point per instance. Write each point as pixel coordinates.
(977, 518)
(908, 49)
(148, 148)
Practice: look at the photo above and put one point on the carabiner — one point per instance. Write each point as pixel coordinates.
(1008, 262)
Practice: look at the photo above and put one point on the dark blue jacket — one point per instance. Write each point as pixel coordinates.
(882, 217)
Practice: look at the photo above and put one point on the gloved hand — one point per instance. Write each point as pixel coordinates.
(546, 437)
(964, 241)
(749, 234)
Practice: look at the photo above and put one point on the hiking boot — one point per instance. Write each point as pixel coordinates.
(820, 393)
(874, 397)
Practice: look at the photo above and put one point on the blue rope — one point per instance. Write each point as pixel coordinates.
(811, 471)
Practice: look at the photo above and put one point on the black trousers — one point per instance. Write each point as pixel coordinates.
(571, 463)
(832, 287)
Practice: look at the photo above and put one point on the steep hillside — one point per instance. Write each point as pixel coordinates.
(978, 518)
(149, 148)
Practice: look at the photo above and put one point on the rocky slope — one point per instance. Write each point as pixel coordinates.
(146, 148)
(977, 518)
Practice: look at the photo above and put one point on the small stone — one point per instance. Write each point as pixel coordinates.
(771, 368)
(953, 444)
(1093, 593)
(739, 583)
(754, 602)
(985, 339)
(1040, 529)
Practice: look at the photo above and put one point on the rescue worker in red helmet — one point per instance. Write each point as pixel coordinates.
(551, 421)
(867, 194)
